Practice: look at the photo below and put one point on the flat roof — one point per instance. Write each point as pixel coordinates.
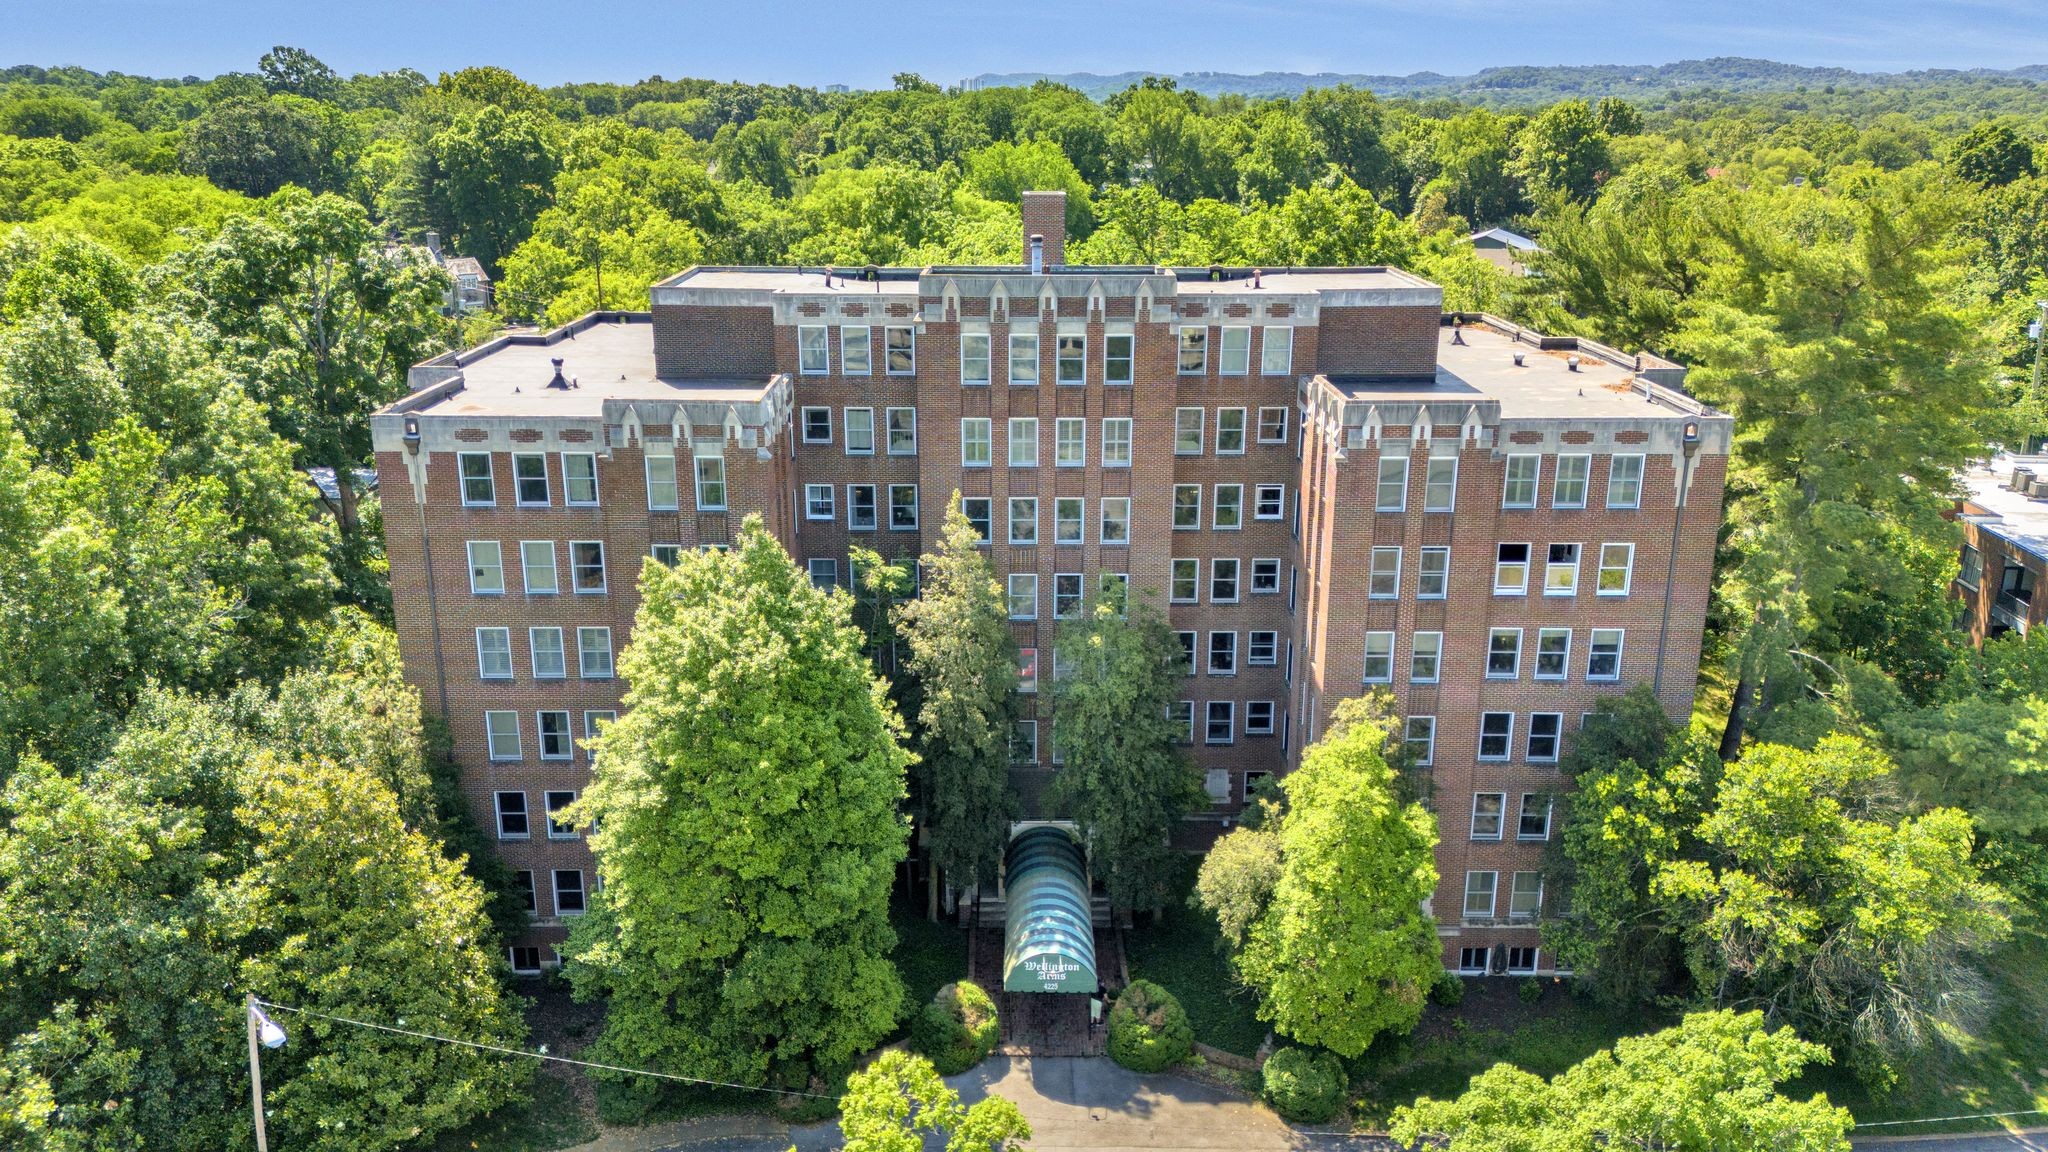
(609, 358)
(1476, 362)
(904, 281)
(2011, 516)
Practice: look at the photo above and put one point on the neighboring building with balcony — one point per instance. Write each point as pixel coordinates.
(2004, 518)
(1326, 483)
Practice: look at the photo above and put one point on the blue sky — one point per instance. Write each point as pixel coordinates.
(781, 41)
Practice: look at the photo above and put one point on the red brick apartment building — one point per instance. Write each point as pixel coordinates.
(1328, 483)
(2004, 517)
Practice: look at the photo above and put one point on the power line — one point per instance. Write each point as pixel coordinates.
(1944, 1119)
(532, 1055)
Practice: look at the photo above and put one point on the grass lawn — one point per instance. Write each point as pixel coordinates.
(1179, 953)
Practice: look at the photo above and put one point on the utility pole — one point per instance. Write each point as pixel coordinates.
(2040, 333)
(256, 1076)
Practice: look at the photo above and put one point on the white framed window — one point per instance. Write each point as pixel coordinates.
(501, 735)
(1222, 653)
(579, 479)
(1433, 574)
(1258, 718)
(525, 958)
(486, 568)
(661, 482)
(1617, 563)
(710, 463)
(1625, 482)
(813, 350)
(1194, 350)
(1117, 357)
(899, 351)
(1027, 671)
(1023, 596)
(1489, 814)
(494, 653)
(1233, 351)
(478, 489)
(1603, 654)
(569, 892)
(594, 720)
(544, 645)
(1069, 442)
(860, 508)
(1269, 501)
(977, 511)
(1553, 653)
(819, 503)
(1276, 351)
(860, 431)
(1440, 484)
(1392, 495)
(1511, 570)
(1183, 717)
(530, 479)
(1522, 960)
(977, 442)
(537, 567)
(1383, 581)
(1223, 580)
(1116, 520)
(902, 507)
(1188, 430)
(1503, 653)
(1546, 731)
(1229, 511)
(1184, 582)
(1479, 890)
(1262, 648)
(1379, 658)
(511, 812)
(1533, 821)
(586, 565)
(1568, 487)
(594, 653)
(1496, 735)
(856, 350)
(559, 827)
(1230, 431)
(1070, 358)
(817, 425)
(1265, 575)
(1472, 961)
(824, 572)
(666, 555)
(1561, 570)
(1024, 742)
(1425, 657)
(1023, 441)
(1419, 734)
(1116, 442)
(1273, 425)
(974, 358)
(1023, 520)
(902, 431)
(1518, 488)
(1221, 721)
(1525, 899)
(1187, 507)
(1024, 358)
(1066, 599)
(1067, 518)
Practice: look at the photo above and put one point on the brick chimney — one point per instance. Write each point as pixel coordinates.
(1045, 214)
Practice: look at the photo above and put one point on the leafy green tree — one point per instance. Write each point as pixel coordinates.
(1343, 951)
(257, 145)
(1281, 156)
(297, 72)
(896, 1103)
(53, 381)
(746, 829)
(1470, 160)
(1165, 141)
(1712, 1084)
(1328, 226)
(66, 118)
(1238, 877)
(1350, 127)
(38, 175)
(317, 318)
(1563, 150)
(965, 661)
(142, 219)
(485, 178)
(1004, 172)
(1617, 117)
(1122, 775)
(68, 274)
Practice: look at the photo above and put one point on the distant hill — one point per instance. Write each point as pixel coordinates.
(1528, 84)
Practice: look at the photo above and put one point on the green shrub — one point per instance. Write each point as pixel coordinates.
(1148, 1029)
(1448, 991)
(1531, 990)
(1305, 1085)
(957, 1030)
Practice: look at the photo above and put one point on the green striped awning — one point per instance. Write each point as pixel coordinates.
(1048, 939)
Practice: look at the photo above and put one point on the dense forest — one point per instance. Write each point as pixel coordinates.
(214, 777)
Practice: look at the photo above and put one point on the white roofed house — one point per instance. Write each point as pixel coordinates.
(1504, 249)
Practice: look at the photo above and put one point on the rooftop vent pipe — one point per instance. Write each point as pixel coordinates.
(559, 381)
(1037, 253)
